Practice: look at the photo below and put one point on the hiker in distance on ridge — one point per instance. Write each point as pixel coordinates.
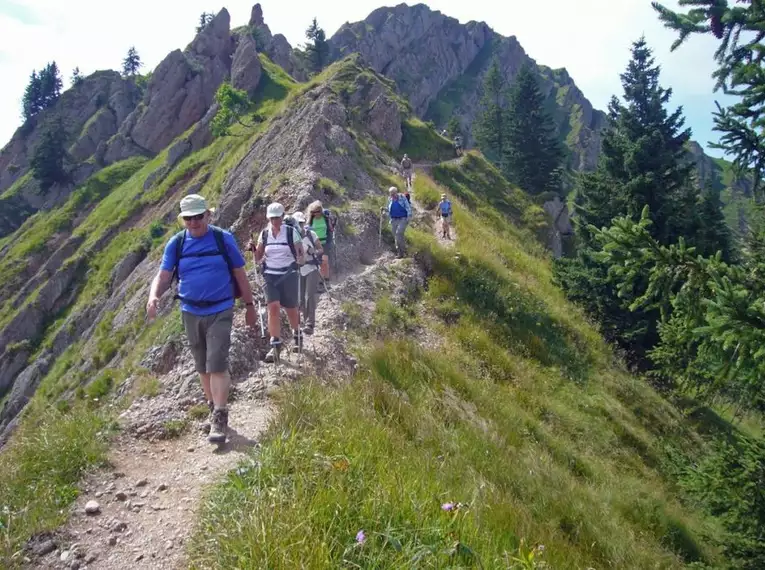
(210, 271)
(406, 170)
(399, 211)
(280, 253)
(445, 209)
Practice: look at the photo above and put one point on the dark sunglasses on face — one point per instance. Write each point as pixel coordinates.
(197, 217)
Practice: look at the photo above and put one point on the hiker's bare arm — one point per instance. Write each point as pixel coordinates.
(260, 250)
(160, 284)
(244, 284)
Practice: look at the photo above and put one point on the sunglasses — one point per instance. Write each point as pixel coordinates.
(196, 217)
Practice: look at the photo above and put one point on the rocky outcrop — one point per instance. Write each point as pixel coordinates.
(276, 47)
(91, 113)
(179, 93)
(245, 67)
(439, 65)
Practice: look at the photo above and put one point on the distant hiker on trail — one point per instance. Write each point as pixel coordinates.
(320, 221)
(280, 251)
(399, 211)
(458, 145)
(445, 209)
(210, 271)
(406, 170)
(309, 273)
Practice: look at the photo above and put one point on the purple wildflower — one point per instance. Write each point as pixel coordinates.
(361, 537)
(447, 507)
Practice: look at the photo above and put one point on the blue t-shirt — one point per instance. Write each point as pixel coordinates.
(446, 207)
(204, 278)
(397, 210)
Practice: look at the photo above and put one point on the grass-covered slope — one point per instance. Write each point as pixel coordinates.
(516, 429)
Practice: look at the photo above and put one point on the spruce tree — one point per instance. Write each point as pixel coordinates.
(491, 123)
(49, 156)
(204, 20)
(317, 49)
(50, 84)
(532, 155)
(643, 163)
(32, 101)
(77, 78)
(740, 66)
(132, 63)
(712, 233)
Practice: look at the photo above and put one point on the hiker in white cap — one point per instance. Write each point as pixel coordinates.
(210, 271)
(280, 251)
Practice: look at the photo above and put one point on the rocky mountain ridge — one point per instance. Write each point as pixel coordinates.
(439, 65)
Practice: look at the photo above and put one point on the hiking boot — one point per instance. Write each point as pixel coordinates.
(218, 426)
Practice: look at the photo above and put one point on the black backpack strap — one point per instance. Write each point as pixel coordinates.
(222, 248)
(291, 241)
(180, 238)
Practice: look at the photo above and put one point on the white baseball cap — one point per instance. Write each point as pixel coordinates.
(299, 217)
(275, 210)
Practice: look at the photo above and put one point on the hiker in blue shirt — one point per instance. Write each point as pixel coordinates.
(400, 211)
(211, 275)
(445, 209)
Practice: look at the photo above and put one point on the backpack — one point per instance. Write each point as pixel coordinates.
(406, 163)
(218, 235)
(290, 240)
(446, 207)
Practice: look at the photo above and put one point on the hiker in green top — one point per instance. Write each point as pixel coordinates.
(320, 221)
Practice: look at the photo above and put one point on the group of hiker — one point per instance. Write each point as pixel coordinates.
(292, 254)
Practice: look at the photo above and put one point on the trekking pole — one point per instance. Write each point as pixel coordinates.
(379, 239)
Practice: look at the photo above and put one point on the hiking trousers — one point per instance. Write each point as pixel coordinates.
(398, 227)
(309, 285)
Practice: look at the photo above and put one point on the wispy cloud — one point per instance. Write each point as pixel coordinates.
(590, 39)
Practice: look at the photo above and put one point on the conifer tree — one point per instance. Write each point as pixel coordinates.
(491, 123)
(50, 84)
(532, 155)
(49, 156)
(643, 163)
(76, 76)
(32, 101)
(317, 50)
(204, 20)
(132, 63)
(740, 65)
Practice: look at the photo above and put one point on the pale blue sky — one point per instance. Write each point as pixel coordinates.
(590, 38)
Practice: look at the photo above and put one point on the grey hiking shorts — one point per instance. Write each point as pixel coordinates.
(209, 339)
(282, 288)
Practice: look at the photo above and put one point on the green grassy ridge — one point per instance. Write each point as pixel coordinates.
(520, 415)
(36, 232)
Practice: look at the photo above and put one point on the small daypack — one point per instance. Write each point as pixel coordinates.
(218, 235)
(406, 163)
